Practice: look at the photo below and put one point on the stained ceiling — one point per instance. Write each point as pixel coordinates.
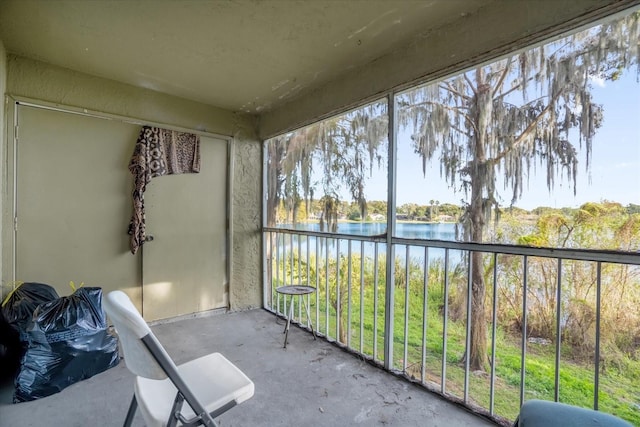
(243, 55)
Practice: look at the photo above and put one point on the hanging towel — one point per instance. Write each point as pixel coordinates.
(158, 152)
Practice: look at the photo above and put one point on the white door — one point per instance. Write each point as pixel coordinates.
(184, 266)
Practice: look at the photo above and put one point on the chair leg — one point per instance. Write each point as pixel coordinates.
(175, 410)
(131, 412)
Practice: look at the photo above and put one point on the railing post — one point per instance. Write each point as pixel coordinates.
(445, 322)
(349, 273)
(391, 222)
(267, 263)
(318, 284)
(523, 361)
(407, 278)
(361, 295)
(556, 378)
(375, 301)
(277, 309)
(494, 321)
(338, 302)
(596, 379)
(467, 357)
(326, 285)
(425, 299)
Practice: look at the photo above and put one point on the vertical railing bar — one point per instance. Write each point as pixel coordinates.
(266, 280)
(406, 307)
(375, 301)
(338, 302)
(308, 281)
(494, 321)
(348, 331)
(271, 283)
(288, 278)
(425, 294)
(308, 261)
(290, 281)
(361, 296)
(389, 305)
(284, 270)
(317, 239)
(298, 237)
(445, 317)
(266, 260)
(277, 271)
(596, 383)
(326, 284)
(467, 357)
(524, 328)
(300, 300)
(276, 248)
(558, 331)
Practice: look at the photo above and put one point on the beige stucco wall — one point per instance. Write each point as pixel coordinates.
(40, 81)
(494, 30)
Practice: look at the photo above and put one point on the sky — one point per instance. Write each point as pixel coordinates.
(615, 165)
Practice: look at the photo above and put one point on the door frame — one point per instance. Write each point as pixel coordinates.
(10, 190)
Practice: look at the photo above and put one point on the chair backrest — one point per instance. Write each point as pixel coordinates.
(143, 353)
(131, 329)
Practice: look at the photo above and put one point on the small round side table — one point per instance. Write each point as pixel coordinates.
(300, 291)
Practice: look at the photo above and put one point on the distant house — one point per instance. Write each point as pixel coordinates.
(377, 217)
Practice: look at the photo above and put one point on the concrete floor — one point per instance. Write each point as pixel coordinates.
(310, 383)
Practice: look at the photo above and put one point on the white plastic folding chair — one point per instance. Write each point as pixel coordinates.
(191, 394)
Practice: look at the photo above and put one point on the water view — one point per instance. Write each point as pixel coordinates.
(430, 231)
(425, 231)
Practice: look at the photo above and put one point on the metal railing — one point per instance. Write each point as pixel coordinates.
(533, 299)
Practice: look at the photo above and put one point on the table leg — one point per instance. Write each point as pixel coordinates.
(309, 317)
(286, 324)
(286, 329)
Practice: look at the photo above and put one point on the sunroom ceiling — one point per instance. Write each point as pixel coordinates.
(244, 55)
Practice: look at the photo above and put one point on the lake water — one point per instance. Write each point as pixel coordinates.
(430, 231)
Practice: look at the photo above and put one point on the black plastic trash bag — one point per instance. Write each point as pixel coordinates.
(15, 316)
(68, 342)
(22, 302)
(10, 350)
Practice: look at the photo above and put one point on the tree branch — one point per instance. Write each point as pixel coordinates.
(524, 133)
(470, 83)
(502, 77)
(429, 103)
(454, 91)
(514, 88)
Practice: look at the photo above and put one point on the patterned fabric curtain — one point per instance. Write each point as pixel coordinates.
(158, 152)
